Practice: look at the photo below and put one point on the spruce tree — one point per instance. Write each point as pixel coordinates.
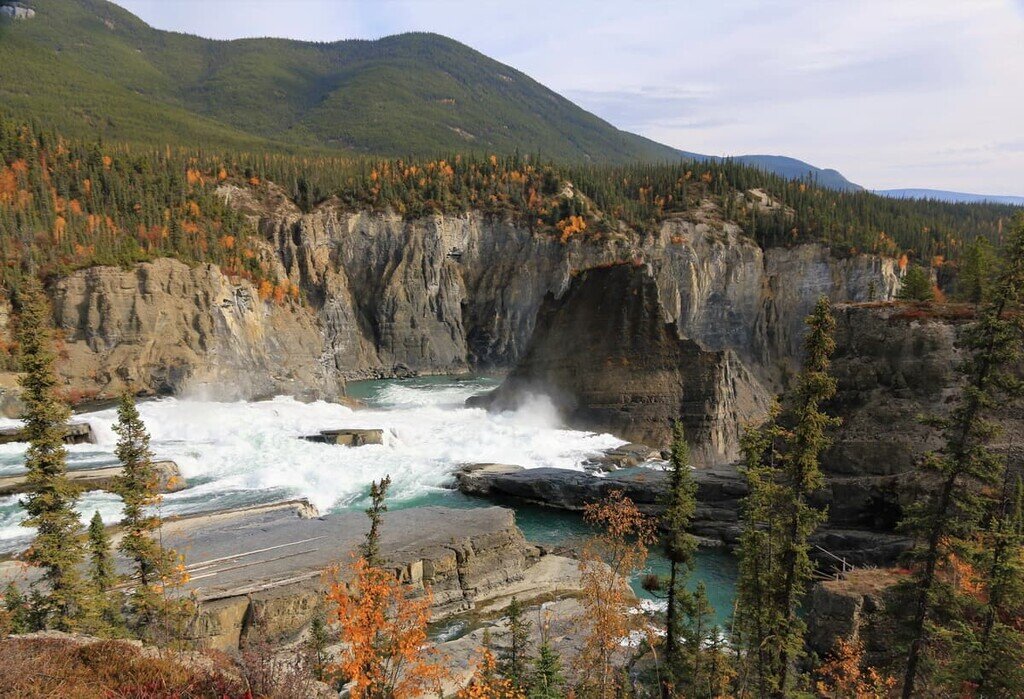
(994, 661)
(515, 659)
(802, 477)
(703, 672)
(105, 616)
(916, 286)
(370, 549)
(154, 567)
(680, 547)
(761, 538)
(19, 614)
(965, 470)
(976, 272)
(101, 563)
(547, 680)
(58, 545)
(782, 471)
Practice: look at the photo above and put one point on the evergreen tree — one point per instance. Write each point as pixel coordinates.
(370, 549)
(547, 680)
(761, 538)
(992, 655)
(319, 639)
(802, 477)
(916, 286)
(515, 658)
(58, 545)
(106, 611)
(680, 547)
(154, 567)
(976, 272)
(782, 471)
(965, 470)
(704, 671)
(101, 563)
(19, 613)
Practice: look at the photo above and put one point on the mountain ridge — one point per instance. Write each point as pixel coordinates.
(87, 66)
(950, 196)
(91, 67)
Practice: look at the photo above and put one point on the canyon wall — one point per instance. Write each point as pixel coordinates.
(165, 327)
(449, 293)
(605, 354)
(385, 296)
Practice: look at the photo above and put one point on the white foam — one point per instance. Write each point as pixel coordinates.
(241, 452)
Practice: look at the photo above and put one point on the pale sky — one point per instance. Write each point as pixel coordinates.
(892, 93)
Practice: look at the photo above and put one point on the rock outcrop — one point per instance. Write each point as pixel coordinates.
(168, 477)
(74, 433)
(447, 293)
(267, 563)
(166, 327)
(606, 355)
(720, 493)
(894, 364)
(849, 608)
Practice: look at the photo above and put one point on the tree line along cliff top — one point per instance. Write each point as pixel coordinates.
(67, 203)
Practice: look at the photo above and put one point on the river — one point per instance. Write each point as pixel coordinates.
(243, 453)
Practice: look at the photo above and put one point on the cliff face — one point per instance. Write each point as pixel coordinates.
(605, 354)
(449, 293)
(383, 296)
(166, 327)
(895, 364)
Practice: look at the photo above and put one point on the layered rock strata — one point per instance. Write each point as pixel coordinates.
(383, 296)
(606, 355)
(262, 570)
(720, 494)
(165, 327)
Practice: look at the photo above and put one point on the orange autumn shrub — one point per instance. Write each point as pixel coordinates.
(844, 676)
(384, 631)
(616, 553)
(487, 682)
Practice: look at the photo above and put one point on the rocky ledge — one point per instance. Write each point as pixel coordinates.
(849, 608)
(169, 479)
(719, 496)
(74, 433)
(267, 563)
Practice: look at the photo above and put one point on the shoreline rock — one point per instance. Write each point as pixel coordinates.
(74, 433)
(719, 497)
(169, 479)
(268, 563)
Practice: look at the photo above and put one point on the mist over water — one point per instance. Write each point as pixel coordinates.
(243, 453)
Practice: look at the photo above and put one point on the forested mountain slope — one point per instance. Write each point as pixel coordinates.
(89, 67)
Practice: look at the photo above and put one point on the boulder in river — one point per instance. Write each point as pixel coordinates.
(348, 437)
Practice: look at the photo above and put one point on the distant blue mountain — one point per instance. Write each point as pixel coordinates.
(790, 168)
(953, 197)
(794, 169)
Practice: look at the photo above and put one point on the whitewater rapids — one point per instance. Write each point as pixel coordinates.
(243, 453)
